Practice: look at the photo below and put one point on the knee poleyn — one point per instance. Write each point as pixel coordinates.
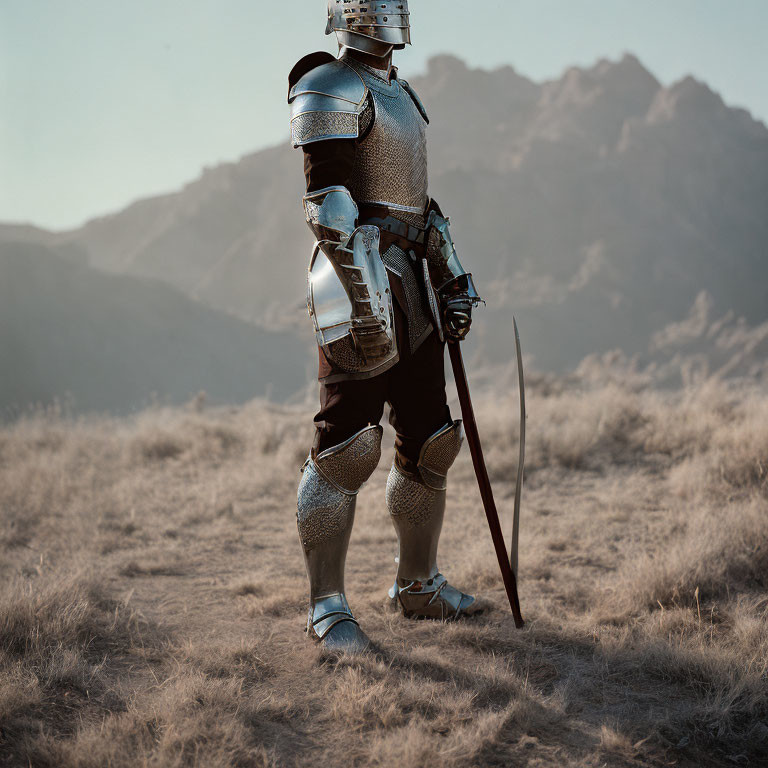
(330, 483)
(414, 498)
(417, 503)
(438, 454)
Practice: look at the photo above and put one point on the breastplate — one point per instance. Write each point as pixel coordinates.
(391, 163)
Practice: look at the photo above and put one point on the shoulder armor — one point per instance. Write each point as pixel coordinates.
(326, 100)
(334, 79)
(416, 100)
(307, 64)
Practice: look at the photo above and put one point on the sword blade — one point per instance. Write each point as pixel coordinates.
(481, 472)
(513, 553)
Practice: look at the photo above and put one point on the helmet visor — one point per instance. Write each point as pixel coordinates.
(387, 21)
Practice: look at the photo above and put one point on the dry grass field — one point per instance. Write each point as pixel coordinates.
(153, 593)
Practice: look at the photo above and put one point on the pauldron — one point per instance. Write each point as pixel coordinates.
(326, 101)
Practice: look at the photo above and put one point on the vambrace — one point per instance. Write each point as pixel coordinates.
(453, 285)
(331, 214)
(417, 507)
(349, 298)
(326, 510)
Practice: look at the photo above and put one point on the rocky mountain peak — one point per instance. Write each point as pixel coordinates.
(689, 99)
(590, 106)
(628, 72)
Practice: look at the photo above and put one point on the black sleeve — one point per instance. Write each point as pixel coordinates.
(329, 163)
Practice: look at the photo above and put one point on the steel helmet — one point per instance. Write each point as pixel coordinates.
(372, 26)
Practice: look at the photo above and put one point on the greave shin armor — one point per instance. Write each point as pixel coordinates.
(326, 511)
(417, 507)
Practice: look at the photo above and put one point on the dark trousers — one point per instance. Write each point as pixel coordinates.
(415, 391)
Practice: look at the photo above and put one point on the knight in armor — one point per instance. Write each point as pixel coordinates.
(386, 289)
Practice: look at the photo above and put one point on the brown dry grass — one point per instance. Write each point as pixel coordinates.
(153, 594)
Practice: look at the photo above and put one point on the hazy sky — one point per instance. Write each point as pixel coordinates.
(104, 101)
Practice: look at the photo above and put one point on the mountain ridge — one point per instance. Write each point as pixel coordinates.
(598, 206)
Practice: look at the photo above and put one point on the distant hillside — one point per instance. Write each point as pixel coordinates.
(112, 342)
(597, 207)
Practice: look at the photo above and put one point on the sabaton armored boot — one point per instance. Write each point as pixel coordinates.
(326, 512)
(417, 506)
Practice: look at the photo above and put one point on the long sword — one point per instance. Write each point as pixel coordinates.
(486, 493)
(521, 460)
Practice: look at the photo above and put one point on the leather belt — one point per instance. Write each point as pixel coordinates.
(400, 228)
